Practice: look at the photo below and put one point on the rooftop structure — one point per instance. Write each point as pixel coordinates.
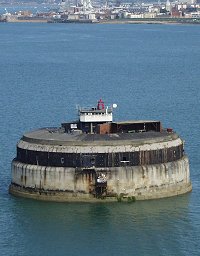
(98, 114)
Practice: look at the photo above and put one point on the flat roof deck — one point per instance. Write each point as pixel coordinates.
(56, 136)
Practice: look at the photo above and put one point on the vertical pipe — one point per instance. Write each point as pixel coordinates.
(91, 128)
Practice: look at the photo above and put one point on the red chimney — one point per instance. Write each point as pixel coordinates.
(100, 105)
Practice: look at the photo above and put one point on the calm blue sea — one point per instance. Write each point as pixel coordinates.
(151, 72)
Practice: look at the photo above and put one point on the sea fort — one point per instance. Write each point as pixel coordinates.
(96, 159)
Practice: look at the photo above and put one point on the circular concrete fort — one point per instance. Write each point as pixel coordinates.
(96, 159)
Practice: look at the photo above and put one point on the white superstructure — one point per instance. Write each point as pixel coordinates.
(97, 114)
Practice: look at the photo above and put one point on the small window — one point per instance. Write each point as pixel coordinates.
(92, 160)
(62, 160)
(124, 159)
(174, 153)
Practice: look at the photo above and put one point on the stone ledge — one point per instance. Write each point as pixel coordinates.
(63, 196)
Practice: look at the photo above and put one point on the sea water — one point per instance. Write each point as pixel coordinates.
(150, 72)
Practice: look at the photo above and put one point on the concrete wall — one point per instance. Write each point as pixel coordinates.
(96, 147)
(143, 182)
(151, 181)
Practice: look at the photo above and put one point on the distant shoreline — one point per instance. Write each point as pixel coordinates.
(153, 21)
(114, 21)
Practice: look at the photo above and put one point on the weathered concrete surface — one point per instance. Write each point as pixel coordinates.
(69, 184)
(97, 147)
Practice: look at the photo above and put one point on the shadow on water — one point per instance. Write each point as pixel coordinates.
(102, 214)
(117, 226)
(153, 225)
